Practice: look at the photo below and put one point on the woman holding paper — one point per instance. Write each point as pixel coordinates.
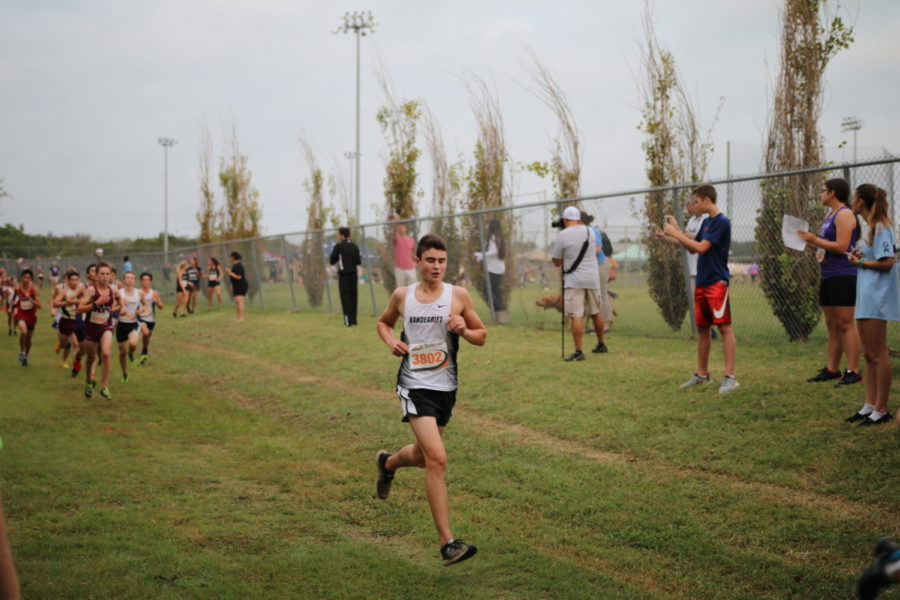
(837, 290)
(877, 300)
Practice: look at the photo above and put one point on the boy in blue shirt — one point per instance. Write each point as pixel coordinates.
(711, 304)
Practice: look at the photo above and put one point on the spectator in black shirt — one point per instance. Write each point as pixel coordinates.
(239, 285)
(346, 256)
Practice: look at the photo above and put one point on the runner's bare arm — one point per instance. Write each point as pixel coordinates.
(844, 224)
(388, 319)
(466, 323)
(157, 299)
(86, 300)
(58, 300)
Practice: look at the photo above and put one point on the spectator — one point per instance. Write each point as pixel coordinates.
(345, 255)
(127, 267)
(404, 252)
(574, 250)
(495, 256)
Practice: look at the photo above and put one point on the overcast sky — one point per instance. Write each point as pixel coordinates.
(87, 87)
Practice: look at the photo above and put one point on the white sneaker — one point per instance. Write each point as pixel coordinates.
(695, 380)
(728, 384)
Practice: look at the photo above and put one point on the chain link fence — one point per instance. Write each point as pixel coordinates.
(290, 272)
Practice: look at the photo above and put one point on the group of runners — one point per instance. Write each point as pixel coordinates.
(87, 316)
(188, 275)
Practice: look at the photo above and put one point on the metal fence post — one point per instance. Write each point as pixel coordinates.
(259, 277)
(487, 274)
(290, 273)
(326, 279)
(371, 279)
(847, 176)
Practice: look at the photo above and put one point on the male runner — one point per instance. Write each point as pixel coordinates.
(90, 274)
(435, 315)
(27, 302)
(127, 327)
(150, 301)
(66, 300)
(711, 303)
(98, 303)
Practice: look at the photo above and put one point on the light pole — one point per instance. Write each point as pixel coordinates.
(359, 23)
(350, 156)
(853, 124)
(166, 143)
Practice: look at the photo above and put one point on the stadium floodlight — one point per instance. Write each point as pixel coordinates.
(853, 124)
(166, 143)
(360, 23)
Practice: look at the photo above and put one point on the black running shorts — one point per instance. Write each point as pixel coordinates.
(426, 403)
(123, 330)
(838, 291)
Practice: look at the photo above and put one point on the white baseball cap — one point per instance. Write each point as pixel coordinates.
(572, 214)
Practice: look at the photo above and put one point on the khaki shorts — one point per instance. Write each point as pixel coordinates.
(580, 302)
(404, 277)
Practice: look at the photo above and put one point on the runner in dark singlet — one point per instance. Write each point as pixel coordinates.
(26, 303)
(98, 305)
(182, 289)
(214, 282)
(194, 274)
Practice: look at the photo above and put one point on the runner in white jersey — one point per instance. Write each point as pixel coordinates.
(150, 301)
(66, 300)
(435, 315)
(128, 328)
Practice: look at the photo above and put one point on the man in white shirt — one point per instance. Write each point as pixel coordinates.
(582, 283)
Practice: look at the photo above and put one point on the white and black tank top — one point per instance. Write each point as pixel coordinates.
(431, 361)
(147, 301)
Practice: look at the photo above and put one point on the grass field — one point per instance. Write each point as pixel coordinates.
(239, 464)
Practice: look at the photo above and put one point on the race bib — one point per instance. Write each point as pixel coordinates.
(820, 255)
(99, 318)
(427, 356)
(26, 305)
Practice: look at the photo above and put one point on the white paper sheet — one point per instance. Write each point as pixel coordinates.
(789, 228)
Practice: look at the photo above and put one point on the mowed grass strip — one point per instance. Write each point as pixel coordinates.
(239, 464)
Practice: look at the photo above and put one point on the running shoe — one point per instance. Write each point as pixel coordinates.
(695, 380)
(25, 361)
(873, 579)
(577, 356)
(849, 378)
(88, 390)
(456, 551)
(106, 393)
(125, 378)
(600, 348)
(144, 359)
(856, 417)
(64, 365)
(22, 358)
(385, 477)
(882, 420)
(729, 384)
(824, 375)
(76, 368)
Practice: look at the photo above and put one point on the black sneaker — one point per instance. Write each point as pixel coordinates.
(824, 375)
(385, 477)
(576, 356)
(856, 417)
(600, 348)
(882, 420)
(456, 551)
(873, 579)
(849, 378)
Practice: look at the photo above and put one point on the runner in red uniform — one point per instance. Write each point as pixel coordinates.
(98, 304)
(27, 302)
